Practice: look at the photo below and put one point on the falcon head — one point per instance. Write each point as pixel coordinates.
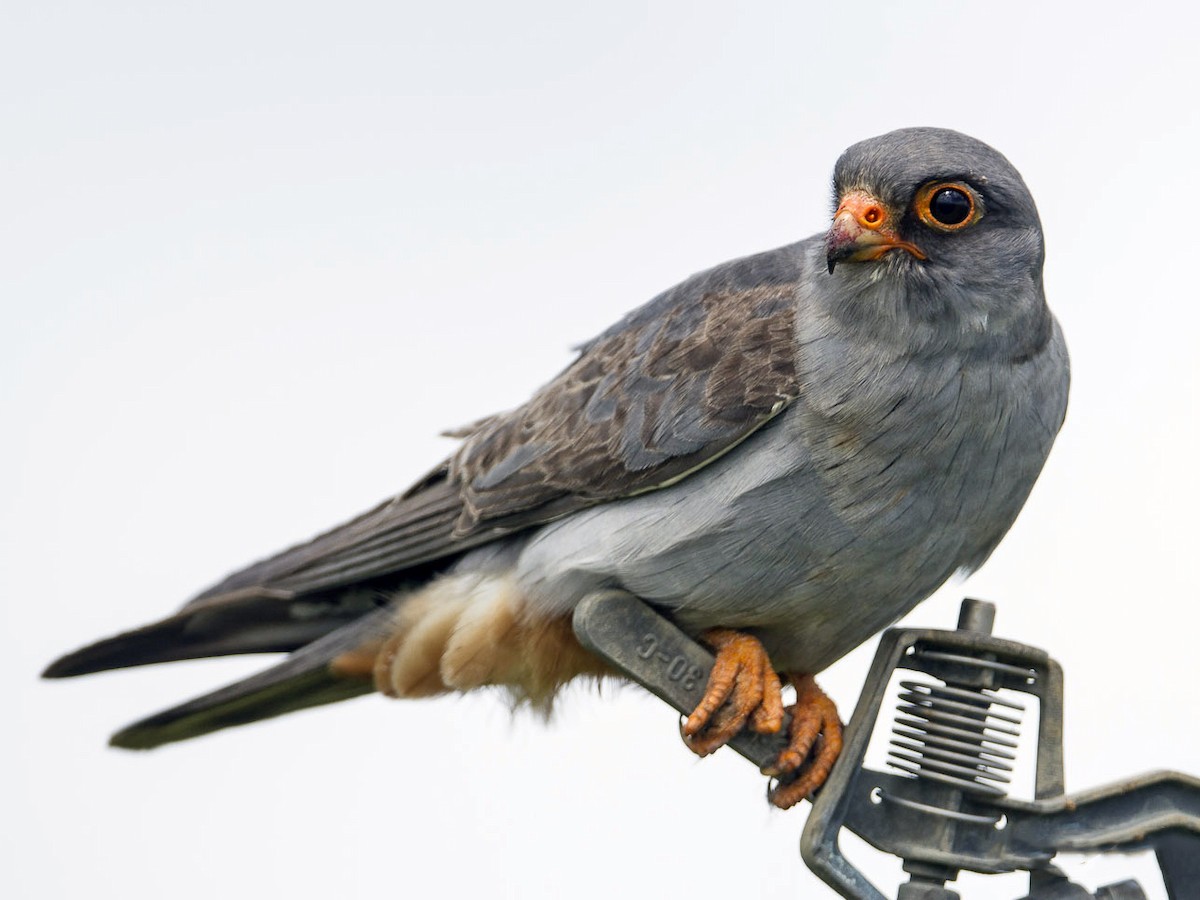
(937, 222)
(931, 195)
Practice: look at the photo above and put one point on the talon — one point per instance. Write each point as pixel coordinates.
(768, 717)
(814, 742)
(742, 688)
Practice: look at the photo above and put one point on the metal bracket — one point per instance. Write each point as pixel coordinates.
(936, 828)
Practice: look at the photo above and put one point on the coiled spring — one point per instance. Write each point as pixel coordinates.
(959, 736)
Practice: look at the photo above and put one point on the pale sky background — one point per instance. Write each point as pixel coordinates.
(254, 256)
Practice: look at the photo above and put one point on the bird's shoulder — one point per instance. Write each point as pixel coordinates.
(672, 386)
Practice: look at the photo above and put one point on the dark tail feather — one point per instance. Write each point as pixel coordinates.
(246, 621)
(303, 680)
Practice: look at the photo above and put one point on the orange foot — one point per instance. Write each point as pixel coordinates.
(743, 688)
(814, 742)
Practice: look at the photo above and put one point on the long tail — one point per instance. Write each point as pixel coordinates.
(315, 672)
(318, 600)
(251, 620)
(308, 677)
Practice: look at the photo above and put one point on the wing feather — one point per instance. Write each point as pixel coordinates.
(669, 389)
(645, 404)
(672, 387)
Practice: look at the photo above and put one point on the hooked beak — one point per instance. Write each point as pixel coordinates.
(862, 229)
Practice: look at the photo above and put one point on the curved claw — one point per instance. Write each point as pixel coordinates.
(743, 688)
(814, 742)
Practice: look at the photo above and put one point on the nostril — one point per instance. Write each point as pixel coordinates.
(872, 216)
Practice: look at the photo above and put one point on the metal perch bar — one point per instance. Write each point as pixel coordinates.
(942, 813)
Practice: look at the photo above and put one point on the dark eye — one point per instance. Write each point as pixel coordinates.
(947, 206)
(950, 206)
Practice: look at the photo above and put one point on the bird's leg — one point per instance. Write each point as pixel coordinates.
(814, 742)
(742, 687)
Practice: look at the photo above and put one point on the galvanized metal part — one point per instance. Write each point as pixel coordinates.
(946, 807)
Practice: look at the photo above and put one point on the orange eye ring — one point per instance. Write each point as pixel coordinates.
(947, 206)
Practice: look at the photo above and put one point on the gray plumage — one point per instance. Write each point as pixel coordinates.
(769, 446)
